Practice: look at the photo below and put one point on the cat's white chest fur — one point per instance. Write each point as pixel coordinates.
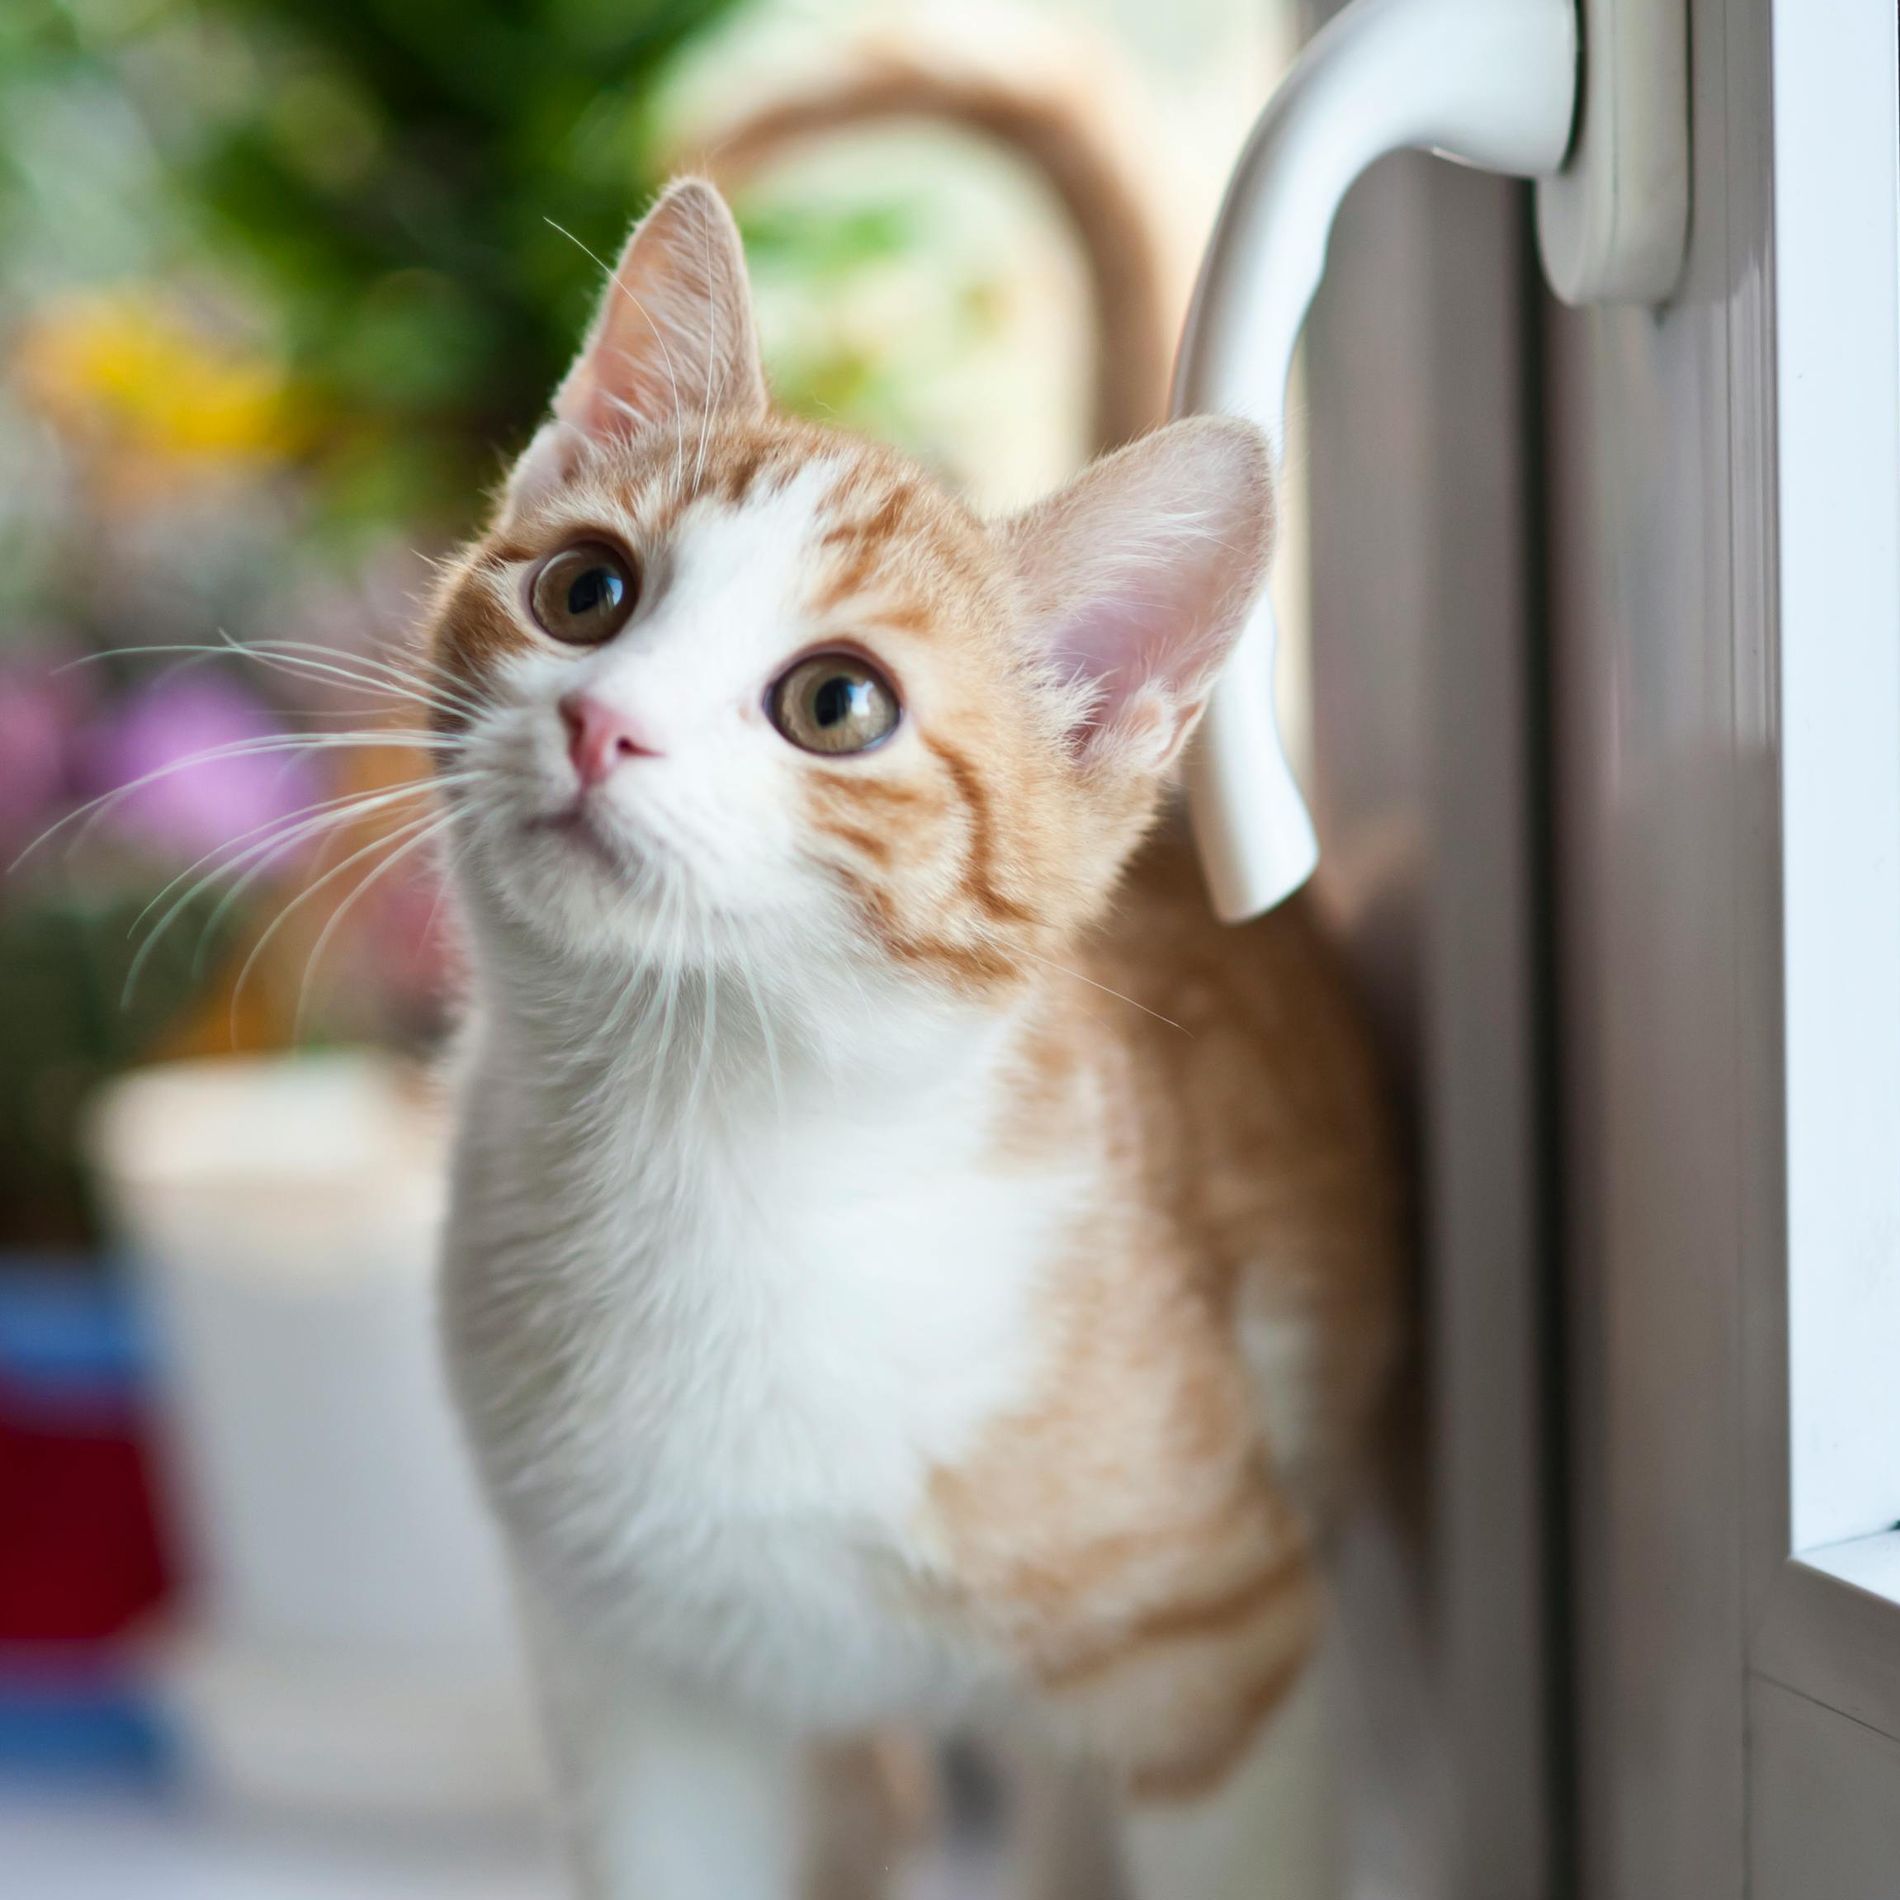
(710, 1364)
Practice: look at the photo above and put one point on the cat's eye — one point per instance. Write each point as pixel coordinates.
(584, 594)
(834, 702)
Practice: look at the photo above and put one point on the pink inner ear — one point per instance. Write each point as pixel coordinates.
(1134, 635)
(674, 334)
(1150, 652)
(584, 404)
(1141, 572)
(603, 400)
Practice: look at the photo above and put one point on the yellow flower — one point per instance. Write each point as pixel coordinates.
(130, 378)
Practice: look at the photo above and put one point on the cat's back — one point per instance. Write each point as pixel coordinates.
(1261, 1134)
(1249, 1205)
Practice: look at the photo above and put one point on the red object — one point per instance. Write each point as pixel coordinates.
(80, 1553)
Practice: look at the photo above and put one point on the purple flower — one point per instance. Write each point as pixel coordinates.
(193, 809)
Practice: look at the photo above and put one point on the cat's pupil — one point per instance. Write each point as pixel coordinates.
(837, 699)
(598, 588)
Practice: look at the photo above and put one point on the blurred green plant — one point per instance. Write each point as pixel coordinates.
(381, 175)
(397, 174)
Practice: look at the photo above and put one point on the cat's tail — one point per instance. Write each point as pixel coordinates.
(1052, 120)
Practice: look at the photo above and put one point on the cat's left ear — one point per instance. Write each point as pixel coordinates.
(673, 338)
(1139, 576)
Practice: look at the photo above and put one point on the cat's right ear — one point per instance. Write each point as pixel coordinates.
(674, 337)
(1138, 578)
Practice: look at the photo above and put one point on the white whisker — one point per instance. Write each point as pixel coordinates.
(336, 917)
(88, 814)
(303, 897)
(305, 660)
(278, 836)
(1064, 970)
(367, 799)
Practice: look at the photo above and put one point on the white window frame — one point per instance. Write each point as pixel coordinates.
(1824, 1460)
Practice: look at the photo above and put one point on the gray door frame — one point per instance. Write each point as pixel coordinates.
(1418, 443)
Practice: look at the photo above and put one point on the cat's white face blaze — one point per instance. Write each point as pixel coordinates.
(647, 769)
(628, 786)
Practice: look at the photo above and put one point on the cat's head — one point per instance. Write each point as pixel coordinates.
(737, 685)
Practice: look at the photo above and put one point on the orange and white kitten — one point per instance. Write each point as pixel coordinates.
(904, 1263)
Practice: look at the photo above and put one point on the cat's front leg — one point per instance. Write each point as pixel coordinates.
(1270, 1829)
(662, 1794)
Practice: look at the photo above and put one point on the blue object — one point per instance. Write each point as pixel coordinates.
(70, 1331)
(76, 1723)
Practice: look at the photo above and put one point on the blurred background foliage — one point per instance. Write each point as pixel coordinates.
(358, 190)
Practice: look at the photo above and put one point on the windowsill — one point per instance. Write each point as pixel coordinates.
(1828, 1631)
(1870, 1564)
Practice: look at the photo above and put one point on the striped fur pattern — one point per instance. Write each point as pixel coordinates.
(906, 1262)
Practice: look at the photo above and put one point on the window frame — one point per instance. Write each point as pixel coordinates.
(1823, 1310)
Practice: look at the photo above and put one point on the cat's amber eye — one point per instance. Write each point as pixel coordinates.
(584, 594)
(834, 702)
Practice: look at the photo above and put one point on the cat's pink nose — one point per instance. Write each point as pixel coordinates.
(599, 737)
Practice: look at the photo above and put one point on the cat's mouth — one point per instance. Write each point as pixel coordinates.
(577, 827)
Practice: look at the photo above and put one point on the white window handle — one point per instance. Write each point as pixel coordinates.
(1492, 83)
